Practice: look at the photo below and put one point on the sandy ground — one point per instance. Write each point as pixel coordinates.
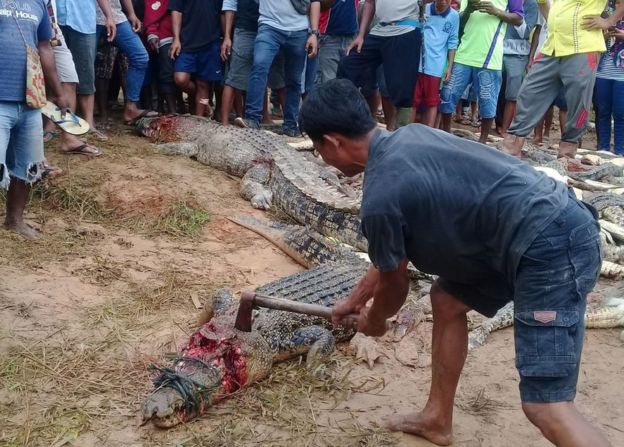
(111, 288)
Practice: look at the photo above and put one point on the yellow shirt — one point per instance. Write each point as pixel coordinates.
(565, 34)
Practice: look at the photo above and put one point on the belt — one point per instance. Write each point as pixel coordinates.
(415, 23)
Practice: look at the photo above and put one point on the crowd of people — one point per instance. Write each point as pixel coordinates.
(497, 64)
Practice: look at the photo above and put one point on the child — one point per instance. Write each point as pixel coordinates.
(196, 48)
(440, 40)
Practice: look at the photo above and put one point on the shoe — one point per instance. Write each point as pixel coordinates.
(294, 133)
(246, 123)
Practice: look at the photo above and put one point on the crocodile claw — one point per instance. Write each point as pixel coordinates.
(262, 201)
(162, 407)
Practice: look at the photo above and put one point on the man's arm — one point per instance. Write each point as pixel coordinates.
(131, 15)
(48, 66)
(111, 27)
(449, 66)
(226, 46)
(368, 12)
(176, 24)
(312, 43)
(534, 43)
(388, 297)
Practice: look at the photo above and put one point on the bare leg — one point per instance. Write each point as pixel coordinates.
(86, 104)
(226, 104)
(69, 141)
(374, 101)
(430, 116)
(184, 83)
(486, 125)
(563, 425)
(445, 123)
(17, 196)
(101, 98)
(548, 120)
(508, 116)
(201, 96)
(538, 138)
(266, 115)
(390, 113)
(448, 354)
(512, 145)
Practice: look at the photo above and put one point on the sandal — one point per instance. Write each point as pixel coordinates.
(49, 134)
(83, 149)
(98, 134)
(144, 114)
(48, 170)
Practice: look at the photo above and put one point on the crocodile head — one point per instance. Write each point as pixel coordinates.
(170, 128)
(217, 361)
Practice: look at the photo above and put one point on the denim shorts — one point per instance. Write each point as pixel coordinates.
(553, 279)
(487, 84)
(241, 59)
(21, 142)
(204, 64)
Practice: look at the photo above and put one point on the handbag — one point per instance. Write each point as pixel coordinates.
(35, 82)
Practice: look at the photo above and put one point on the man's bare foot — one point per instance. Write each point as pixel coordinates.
(417, 424)
(24, 229)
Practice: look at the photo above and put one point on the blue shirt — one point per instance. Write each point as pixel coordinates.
(79, 15)
(340, 19)
(34, 24)
(440, 35)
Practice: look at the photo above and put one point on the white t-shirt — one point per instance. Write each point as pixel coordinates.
(388, 11)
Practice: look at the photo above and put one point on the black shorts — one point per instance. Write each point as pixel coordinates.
(400, 56)
(553, 279)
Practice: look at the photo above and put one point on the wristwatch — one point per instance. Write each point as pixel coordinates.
(314, 32)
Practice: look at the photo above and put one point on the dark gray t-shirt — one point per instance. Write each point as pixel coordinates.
(453, 207)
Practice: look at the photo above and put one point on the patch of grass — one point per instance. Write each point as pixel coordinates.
(71, 197)
(182, 219)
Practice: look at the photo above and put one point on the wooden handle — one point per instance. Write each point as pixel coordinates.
(292, 306)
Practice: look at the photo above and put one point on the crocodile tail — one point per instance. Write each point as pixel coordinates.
(275, 233)
(610, 316)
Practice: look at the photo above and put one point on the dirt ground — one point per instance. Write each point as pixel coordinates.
(132, 241)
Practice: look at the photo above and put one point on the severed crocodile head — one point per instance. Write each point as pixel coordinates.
(217, 361)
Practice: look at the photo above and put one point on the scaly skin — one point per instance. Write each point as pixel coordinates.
(273, 173)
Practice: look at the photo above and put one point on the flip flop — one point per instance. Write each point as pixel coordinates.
(98, 134)
(82, 150)
(144, 114)
(71, 123)
(49, 134)
(50, 170)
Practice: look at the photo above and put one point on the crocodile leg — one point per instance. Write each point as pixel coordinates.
(317, 341)
(254, 186)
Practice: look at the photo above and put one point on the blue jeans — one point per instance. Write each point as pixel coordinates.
(130, 44)
(610, 100)
(268, 42)
(486, 83)
(21, 142)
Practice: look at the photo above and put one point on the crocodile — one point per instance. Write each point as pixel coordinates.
(218, 360)
(272, 172)
(609, 315)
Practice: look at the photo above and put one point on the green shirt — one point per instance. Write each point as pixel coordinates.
(482, 42)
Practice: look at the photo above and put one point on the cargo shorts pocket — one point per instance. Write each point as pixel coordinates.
(547, 342)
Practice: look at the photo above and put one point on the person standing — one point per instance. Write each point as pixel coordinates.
(77, 19)
(394, 41)
(610, 90)
(282, 26)
(440, 37)
(129, 42)
(338, 26)
(479, 58)
(24, 25)
(569, 57)
(196, 48)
